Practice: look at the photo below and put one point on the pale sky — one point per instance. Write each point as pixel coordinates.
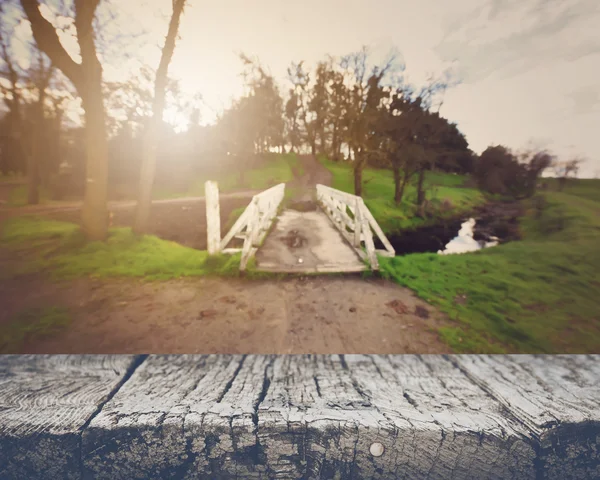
(529, 70)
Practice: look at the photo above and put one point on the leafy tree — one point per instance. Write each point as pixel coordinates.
(500, 171)
(364, 108)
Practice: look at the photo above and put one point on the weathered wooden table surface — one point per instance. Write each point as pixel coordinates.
(436, 417)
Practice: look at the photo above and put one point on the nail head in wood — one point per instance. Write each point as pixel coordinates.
(377, 449)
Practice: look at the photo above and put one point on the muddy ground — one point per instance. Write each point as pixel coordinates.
(295, 315)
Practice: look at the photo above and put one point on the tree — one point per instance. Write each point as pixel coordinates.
(26, 98)
(399, 128)
(300, 79)
(87, 79)
(318, 106)
(500, 171)
(150, 143)
(363, 110)
(337, 111)
(564, 170)
(292, 116)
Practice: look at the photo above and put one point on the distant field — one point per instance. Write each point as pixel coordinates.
(378, 194)
(585, 187)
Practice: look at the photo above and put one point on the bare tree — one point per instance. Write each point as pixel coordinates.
(566, 169)
(87, 79)
(150, 143)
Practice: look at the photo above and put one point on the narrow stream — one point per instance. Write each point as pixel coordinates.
(464, 241)
(445, 238)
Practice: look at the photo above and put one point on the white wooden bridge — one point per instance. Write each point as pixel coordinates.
(336, 236)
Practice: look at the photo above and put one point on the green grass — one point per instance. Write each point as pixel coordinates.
(378, 194)
(541, 294)
(18, 196)
(585, 187)
(278, 168)
(60, 249)
(32, 323)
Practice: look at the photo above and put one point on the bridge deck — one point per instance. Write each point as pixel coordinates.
(305, 242)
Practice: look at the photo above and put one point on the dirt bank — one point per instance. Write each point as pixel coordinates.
(296, 315)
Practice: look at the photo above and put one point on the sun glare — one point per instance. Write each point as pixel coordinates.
(176, 119)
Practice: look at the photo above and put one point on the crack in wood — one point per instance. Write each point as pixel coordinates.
(303, 417)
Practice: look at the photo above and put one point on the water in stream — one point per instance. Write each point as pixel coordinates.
(464, 241)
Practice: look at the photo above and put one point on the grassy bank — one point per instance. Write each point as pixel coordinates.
(541, 294)
(277, 168)
(378, 194)
(59, 249)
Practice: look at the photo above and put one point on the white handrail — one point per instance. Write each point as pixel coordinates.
(362, 224)
(254, 223)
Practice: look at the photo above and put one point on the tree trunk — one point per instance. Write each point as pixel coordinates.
(87, 78)
(420, 187)
(334, 145)
(398, 185)
(150, 145)
(95, 213)
(33, 171)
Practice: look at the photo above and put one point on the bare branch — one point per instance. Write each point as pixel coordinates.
(47, 40)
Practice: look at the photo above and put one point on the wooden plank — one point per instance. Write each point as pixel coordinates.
(213, 217)
(351, 201)
(232, 250)
(321, 415)
(181, 416)
(239, 224)
(346, 197)
(340, 218)
(223, 416)
(304, 417)
(369, 245)
(557, 398)
(357, 224)
(375, 226)
(328, 268)
(45, 402)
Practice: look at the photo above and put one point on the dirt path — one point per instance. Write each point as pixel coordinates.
(304, 186)
(296, 315)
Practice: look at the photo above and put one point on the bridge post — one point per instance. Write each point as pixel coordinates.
(213, 217)
(357, 223)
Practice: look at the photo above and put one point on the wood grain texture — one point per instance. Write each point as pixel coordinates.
(304, 417)
(309, 416)
(556, 398)
(45, 402)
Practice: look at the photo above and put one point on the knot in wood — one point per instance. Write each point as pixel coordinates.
(376, 449)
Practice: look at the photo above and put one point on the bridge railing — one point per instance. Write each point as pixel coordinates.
(252, 225)
(356, 223)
